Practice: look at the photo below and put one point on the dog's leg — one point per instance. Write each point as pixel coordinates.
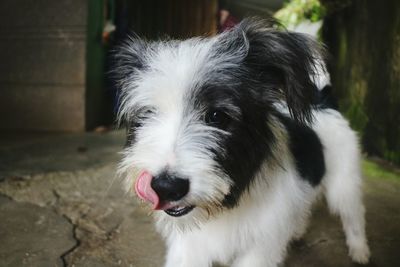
(301, 228)
(344, 197)
(343, 180)
(351, 210)
(303, 220)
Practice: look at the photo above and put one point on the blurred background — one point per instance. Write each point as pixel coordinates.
(58, 148)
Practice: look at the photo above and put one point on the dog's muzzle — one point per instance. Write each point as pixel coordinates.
(164, 191)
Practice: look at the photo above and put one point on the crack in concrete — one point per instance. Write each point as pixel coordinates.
(69, 220)
(72, 249)
(74, 228)
(7, 197)
(57, 196)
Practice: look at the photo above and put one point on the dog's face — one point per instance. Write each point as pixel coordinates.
(199, 113)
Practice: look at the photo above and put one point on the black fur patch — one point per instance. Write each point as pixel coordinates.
(306, 149)
(326, 99)
(277, 66)
(250, 140)
(285, 61)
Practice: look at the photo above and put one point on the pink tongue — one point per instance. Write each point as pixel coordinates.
(144, 191)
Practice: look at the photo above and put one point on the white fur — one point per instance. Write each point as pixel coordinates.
(277, 205)
(343, 182)
(172, 137)
(257, 232)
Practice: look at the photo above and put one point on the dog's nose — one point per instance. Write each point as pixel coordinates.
(169, 187)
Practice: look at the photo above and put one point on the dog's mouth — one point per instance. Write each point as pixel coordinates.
(179, 211)
(146, 193)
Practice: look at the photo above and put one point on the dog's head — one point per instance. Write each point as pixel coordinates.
(199, 112)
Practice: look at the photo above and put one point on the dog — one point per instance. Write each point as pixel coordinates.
(230, 146)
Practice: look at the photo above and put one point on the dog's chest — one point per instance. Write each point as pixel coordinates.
(224, 238)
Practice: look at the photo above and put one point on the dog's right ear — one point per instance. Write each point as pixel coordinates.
(126, 62)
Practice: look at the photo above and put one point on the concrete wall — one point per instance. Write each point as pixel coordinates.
(42, 64)
(52, 56)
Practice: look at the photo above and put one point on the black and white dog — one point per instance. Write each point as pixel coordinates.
(228, 145)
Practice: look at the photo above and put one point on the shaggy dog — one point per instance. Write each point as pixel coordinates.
(229, 144)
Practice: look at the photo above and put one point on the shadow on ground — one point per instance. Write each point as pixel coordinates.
(60, 206)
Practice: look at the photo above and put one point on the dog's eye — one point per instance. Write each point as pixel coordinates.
(142, 117)
(216, 118)
(137, 124)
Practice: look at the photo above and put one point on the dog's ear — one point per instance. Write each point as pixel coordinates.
(285, 60)
(126, 60)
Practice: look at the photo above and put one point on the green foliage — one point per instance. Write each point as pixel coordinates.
(357, 116)
(296, 11)
(353, 105)
(392, 155)
(374, 170)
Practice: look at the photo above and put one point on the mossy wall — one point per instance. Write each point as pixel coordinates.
(363, 38)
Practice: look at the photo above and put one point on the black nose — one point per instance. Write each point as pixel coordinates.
(169, 187)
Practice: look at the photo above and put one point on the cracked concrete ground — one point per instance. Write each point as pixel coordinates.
(59, 206)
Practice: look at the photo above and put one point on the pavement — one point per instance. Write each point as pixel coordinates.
(61, 205)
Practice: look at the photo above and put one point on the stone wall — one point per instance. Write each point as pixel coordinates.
(52, 56)
(42, 64)
(363, 37)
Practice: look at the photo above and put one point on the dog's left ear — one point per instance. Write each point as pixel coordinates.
(285, 62)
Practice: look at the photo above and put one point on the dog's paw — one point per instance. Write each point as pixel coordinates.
(360, 253)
